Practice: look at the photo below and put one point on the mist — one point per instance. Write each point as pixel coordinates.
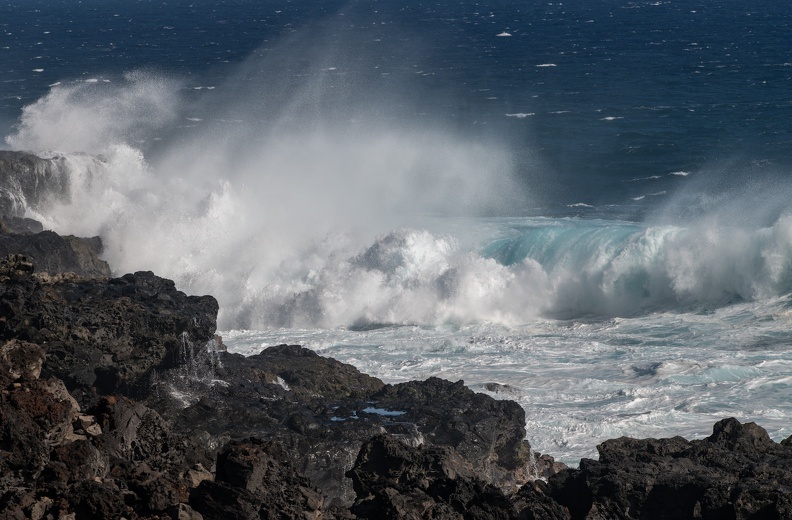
(251, 188)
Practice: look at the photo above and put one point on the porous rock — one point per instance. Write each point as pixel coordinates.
(737, 472)
(254, 480)
(323, 411)
(106, 336)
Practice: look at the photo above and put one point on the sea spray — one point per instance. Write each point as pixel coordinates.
(80, 116)
(196, 372)
(270, 270)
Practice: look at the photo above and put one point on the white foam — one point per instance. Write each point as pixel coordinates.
(383, 412)
(504, 34)
(521, 115)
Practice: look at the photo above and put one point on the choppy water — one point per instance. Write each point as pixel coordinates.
(585, 203)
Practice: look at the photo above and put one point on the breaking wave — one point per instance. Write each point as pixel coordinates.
(366, 222)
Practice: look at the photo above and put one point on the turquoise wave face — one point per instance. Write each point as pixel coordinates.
(571, 243)
(616, 268)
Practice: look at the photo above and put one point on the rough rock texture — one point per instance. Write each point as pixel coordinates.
(395, 481)
(117, 401)
(20, 225)
(51, 253)
(55, 460)
(318, 406)
(488, 433)
(738, 472)
(255, 480)
(102, 336)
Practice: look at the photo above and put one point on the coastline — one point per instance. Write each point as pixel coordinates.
(119, 401)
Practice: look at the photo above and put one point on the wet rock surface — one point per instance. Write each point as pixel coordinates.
(320, 407)
(46, 252)
(29, 181)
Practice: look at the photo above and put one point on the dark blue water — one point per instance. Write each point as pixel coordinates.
(590, 95)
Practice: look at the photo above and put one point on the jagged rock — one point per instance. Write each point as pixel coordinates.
(255, 480)
(184, 512)
(110, 336)
(252, 401)
(487, 432)
(395, 481)
(15, 264)
(20, 225)
(136, 467)
(737, 472)
(305, 373)
(137, 434)
(197, 474)
(323, 411)
(74, 444)
(533, 502)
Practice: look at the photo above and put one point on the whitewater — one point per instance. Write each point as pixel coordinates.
(322, 210)
(597, 327)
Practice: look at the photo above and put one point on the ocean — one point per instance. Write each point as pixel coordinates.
(585, 207)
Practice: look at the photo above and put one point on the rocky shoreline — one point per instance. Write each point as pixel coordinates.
(118, 400)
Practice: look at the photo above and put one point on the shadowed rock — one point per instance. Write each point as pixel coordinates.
(395, 481)
(255, 480)
(52, 254)
(104, 336)
(737, 472)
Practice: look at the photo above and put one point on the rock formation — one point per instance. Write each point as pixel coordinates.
(117, 400)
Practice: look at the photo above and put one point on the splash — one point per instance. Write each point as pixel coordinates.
(298, 205)
(80, 116)
(253, 215)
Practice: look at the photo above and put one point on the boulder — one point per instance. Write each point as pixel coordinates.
(323, 411)
(487, 432)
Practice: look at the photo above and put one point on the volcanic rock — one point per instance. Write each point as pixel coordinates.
(323, 411)
(737, 472)
(50, 253)
(255, 480)
(105, 337)
(395, 481)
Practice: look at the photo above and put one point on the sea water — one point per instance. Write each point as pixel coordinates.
(580, 206)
